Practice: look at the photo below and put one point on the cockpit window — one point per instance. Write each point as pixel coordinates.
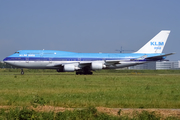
(17, 52)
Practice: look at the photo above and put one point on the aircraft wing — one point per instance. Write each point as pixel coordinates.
(55, 65)
(112, 61)
(85, 63)
(106, 61)
(60, 64)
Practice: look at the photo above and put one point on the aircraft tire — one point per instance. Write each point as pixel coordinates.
(84, 73)
(22, 72)
(88, 73)
(78, 73)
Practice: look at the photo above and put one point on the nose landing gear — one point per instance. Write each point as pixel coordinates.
(22, 72)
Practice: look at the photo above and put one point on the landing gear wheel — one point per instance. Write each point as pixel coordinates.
(84, 73)
(78, 73)
(89, 73)
(22, 72)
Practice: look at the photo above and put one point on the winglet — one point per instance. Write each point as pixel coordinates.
(156, 44)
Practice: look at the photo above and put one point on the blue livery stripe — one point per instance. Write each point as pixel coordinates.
(56, 59)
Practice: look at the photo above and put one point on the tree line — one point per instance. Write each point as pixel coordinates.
(4, 65)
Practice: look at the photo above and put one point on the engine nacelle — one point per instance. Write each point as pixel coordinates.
(69, 68)
(97, 65)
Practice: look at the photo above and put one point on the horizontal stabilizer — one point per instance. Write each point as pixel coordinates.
(159, 56)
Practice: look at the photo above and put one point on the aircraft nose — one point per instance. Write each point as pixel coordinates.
(5, 59)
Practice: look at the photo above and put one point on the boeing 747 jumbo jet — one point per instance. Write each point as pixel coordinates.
(84, 63)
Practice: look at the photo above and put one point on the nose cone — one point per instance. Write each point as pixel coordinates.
(5, 59)
(8, 61)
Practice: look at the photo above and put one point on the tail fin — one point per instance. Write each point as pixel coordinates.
(156, 44)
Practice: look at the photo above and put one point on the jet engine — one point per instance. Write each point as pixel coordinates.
(97, 65)
(69, 68)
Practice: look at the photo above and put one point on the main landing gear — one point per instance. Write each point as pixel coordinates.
(22, 72)
(83, 73)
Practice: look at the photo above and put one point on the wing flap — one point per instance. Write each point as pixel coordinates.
(62, 64)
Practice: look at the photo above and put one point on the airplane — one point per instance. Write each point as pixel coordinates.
(85, 63)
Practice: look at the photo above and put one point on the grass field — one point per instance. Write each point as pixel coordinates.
(107, 88)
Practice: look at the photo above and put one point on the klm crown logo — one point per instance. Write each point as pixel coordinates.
(157, 43)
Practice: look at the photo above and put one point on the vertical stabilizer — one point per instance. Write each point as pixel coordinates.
(156, 44)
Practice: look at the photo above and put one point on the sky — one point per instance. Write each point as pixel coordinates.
(87, 26)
